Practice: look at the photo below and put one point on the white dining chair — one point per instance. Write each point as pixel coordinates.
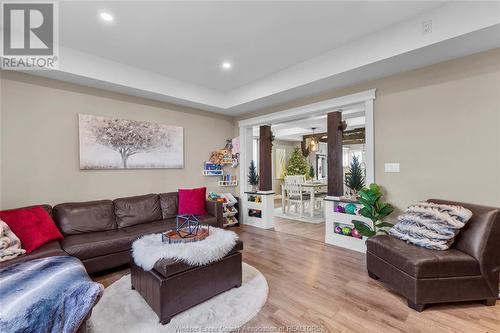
(295, 194)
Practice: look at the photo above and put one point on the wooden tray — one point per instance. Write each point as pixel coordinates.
(183, 236)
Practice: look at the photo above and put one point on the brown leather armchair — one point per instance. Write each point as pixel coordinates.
(468, 271)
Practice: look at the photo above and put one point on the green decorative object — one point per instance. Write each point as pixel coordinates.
(297, 165)
(253, 177)
(347, 231)
(355, 176)
(350, 209)
(311, 172)
(374, 209)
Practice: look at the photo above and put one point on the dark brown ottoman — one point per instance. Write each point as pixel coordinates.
(172, 286)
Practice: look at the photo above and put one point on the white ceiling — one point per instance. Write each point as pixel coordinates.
(172, 50)
(354, 116)
(189, 40)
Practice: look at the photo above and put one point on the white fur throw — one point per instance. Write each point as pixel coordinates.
(148, 249)
(431, 225)
(10, 245)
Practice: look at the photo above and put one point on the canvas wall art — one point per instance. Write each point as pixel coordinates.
(107, 143)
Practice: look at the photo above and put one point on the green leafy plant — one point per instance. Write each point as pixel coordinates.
(311, 172)
(354, 177)
(374, 209)
(297, 165)
(253, 177)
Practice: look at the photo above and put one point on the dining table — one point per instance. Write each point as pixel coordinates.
(312, 187)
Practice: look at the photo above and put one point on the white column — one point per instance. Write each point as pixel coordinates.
(246, 154)
(369, 142)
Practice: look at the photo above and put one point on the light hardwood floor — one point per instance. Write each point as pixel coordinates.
(314, 231)
(327, 287)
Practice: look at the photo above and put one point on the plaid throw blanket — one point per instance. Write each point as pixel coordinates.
(52, 294)
(10, 245)
(431, 225)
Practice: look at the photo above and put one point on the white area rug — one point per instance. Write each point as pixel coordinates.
(318, 217)
(123, 310)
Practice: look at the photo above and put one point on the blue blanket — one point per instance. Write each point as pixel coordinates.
(51, 294)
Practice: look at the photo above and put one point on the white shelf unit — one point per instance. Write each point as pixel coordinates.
(228, 183)
(258, 209)
(334, 218)
(213, 172)
(230, 210)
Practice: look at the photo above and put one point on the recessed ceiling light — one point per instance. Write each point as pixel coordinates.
(226, 65)
(107, 17)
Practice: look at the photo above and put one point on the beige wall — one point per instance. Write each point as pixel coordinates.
(39, 142)
(442, 123)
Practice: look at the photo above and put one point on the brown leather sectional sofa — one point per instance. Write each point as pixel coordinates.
(100, 233)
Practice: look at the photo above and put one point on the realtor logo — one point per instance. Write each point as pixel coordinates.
(29, 35)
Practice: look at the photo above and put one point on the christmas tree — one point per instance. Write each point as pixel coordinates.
(354, 177)
(311, 172)
(297, 165)
(253, 177)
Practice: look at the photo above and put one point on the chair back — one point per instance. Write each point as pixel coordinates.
(480, 238)
(295, 179)
(293, 189)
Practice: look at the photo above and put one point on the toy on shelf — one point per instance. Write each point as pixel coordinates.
(347, 230)
(230, 207)
(255, 198)
(228, 180)
(350, 209)
(212, 169)
(220, 158)
(255, 213)
(340, 209)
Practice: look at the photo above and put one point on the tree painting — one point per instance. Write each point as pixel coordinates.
(107, 143)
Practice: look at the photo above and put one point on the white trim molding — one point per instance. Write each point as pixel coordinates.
(310, 110)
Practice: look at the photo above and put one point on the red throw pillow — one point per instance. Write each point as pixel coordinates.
(192, 201)
(33, 226)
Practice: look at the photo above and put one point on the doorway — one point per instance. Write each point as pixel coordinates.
(299, 210)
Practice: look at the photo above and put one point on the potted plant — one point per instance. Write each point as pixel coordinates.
(374, 209)
(354, 177)
(253, 177)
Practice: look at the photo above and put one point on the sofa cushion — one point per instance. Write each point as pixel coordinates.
(94, 244)
(33, 226)
(136, 210)
(169, 203)
(49, 249)
(431, 225)
(420, 262)
(193, 201)
(208, 219)
(81, 217)
(136, 231)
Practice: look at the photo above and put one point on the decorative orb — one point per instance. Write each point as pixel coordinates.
(355, 233)
(339, 209)
(350, 208)
(338, 230)
(346, 231)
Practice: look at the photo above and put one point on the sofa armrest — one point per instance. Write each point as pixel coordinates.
(215, 209)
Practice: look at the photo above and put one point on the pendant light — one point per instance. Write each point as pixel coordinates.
(313, 143)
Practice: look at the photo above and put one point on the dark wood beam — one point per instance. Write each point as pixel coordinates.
(334, 147)
(265, 152)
